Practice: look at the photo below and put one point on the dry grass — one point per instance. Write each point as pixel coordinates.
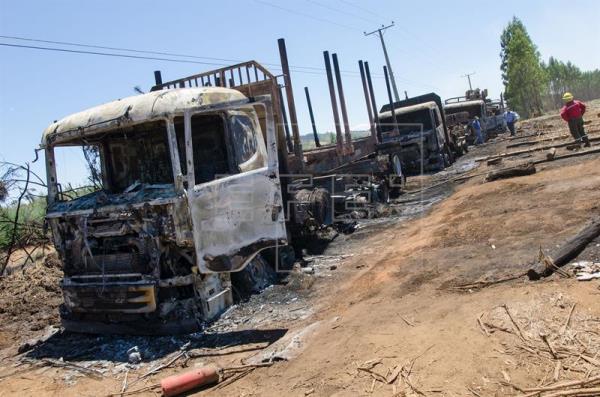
(550, 335)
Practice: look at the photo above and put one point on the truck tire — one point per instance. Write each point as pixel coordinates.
(255, 277)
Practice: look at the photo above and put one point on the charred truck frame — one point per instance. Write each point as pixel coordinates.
(198, 177)
(190, 192)
(461, 111)
(414, 132)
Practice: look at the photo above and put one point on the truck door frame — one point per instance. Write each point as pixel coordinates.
(208, 202)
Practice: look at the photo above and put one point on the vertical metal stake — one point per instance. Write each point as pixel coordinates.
(336, 116)
(373, 103)
(338, 79)
(368, 101)
(312, 118)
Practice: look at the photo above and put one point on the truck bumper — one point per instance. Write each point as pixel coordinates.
(123, 294)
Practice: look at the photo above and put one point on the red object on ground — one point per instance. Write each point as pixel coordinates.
(177, 384)
(572, 110)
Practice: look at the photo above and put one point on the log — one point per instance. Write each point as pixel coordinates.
(552, 138)
(512, 138)
(535, 149)
(521, 170)
(569, 251)
(531, 143)
(569, 155)
(469, 175)
(495, 161)
(551, 154)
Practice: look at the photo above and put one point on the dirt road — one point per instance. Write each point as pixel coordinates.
(388, 319)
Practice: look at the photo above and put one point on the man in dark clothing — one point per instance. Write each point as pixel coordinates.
(572, 113)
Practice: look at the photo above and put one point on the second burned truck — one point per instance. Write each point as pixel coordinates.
(414, 131)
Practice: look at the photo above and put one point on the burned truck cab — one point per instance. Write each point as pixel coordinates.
(188, 191)
(417, 135)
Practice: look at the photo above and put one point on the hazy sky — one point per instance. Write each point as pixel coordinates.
(431, 46)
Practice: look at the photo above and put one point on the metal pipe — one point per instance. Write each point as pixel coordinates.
(312, 118)
(157, 77)
(336, 116)
(373, 103)
(338, 79)
(290, 98)
(389, 92)
(368, 101)
(286, 127)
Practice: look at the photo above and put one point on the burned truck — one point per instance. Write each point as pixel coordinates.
(190, 192)
(197, 188)
(414, 132)
(461, 111)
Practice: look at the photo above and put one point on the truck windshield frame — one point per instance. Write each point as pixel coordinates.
(223, 143)
(230, 114)
(409, 122)
(265, 155)
(474, 109)
(129, 156)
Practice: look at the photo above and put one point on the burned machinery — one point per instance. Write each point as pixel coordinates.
(196, 182)
(461, 111)
(415, 133)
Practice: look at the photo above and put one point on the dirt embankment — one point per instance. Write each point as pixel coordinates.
(29, 300)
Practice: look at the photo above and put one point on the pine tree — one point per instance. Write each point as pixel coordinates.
(522, 72)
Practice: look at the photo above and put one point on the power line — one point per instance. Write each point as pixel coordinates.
(363, 9)
(313, 70)
(340, 11)
(306, 15)
(428, 46)
(406, 32)
(109, 54)
(64, 50)
(138, 51)
(67, 43)
(113, 48)
(335, 23)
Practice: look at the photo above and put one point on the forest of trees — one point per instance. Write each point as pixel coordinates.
(533, 86)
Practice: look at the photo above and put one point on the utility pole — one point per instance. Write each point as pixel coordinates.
(387, 58)
(468, 76)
